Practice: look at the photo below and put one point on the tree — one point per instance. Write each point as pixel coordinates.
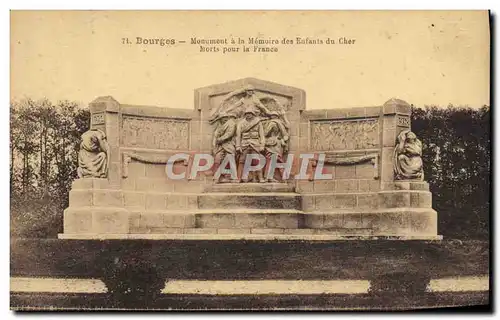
(456, 155)
(44, 142)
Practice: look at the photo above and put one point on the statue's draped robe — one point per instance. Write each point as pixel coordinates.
(92, 157)
(408, 160)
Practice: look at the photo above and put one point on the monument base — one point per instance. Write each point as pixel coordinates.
(246, 211)
(228, 237)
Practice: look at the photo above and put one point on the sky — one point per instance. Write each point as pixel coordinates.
(422, 57)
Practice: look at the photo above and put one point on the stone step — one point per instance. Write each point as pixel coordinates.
(163, 221)
(294, 231)
(247, 211)
(377, 222)
(243, 236)
(263, 230)
(397, 221)
(256, 200)
(250, 187)
(246, 220)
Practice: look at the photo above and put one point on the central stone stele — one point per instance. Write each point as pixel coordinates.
(364, 179)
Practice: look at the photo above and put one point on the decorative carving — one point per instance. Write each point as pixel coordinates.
(408, 157)
(98, 118)
(353, 160)
(93, 155)
(403, 121)
(236, 102)
(151, 133)
(261, 128)
(344, 134)
(154, 158)
(350, 160)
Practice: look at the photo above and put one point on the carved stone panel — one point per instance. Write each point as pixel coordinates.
(246, 122)
(350, 159)
(98, 118)
(153, 133)
(403, 121)
(344, 135)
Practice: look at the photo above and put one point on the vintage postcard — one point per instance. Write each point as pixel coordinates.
(250, 160)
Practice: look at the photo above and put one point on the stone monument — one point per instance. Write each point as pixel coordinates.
(370, 182)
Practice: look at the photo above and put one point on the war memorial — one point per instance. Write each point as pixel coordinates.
(251, 185)
(358, 171)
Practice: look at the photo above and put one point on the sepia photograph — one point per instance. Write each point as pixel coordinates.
(250, 160)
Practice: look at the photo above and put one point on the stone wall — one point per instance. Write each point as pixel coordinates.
(362, 194)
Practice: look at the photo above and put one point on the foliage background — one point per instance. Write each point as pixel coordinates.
(456, 154)
(44, 141)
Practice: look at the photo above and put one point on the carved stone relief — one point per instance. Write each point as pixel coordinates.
(145, 157)
(343, 159)
(403, 121)
(249, 123)
(218, 102)
(344, 135)
(98, 118)
(151, 133)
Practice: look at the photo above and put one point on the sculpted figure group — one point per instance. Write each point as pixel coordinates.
(245, 126)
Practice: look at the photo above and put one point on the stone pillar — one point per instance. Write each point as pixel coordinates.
(297, 105)
(396, 118)
(104, 115)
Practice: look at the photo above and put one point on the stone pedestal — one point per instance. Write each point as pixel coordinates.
(262, 209)
(404, 209)
(95, 207)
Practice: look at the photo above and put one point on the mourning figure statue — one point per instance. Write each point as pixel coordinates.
(408, 157)
(93, 155)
